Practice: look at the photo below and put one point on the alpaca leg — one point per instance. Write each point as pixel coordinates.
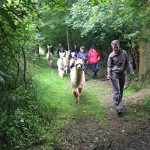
(48, 63)
(80, 90)
(76, 94)
(51, 63)
(66, 70)
(61, 74)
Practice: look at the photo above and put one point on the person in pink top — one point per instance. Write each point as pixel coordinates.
(93, 59)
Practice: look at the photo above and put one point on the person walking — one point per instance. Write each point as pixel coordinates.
(60, 49)
(93, 60)
(75, 49)
(117, 64)
(82, 54)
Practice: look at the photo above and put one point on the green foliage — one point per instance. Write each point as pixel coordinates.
(2, 75)
(19, 125)
(23, 118)
(146, 104)
(136, 84)
(108, 20)
(51, 28)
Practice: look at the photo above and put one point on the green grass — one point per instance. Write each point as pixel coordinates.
(56, 99)
(129, 91)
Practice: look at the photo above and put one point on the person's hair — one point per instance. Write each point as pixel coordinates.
(115, 42)
(94, 47)
(82, 47)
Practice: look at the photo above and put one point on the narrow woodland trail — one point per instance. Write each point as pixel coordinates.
(84, 132)
(131, 132)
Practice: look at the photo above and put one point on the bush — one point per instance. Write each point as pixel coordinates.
(22, 119)
(146, 104)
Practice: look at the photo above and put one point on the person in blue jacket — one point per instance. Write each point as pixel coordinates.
(60, 49)
(83, 54)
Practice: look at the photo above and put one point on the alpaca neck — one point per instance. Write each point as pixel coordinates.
(62, 62)
(78, 76)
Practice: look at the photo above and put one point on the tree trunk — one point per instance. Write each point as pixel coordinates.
(68, 33)
(24, 67)
(135, 55)
(144, 66)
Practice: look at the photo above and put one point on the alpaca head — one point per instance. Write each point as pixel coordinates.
(49, 46)
(79, 64)
(61, 55)
(67, 54)
(73, 54)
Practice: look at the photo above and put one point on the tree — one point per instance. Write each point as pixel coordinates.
(115, 19)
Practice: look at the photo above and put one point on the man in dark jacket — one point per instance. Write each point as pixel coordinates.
(60, 49)
(117, 64)
(75, 49)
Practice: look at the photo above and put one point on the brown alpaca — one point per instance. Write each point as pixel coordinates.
(67, 56)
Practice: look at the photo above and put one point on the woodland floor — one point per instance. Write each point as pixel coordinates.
(129, 132)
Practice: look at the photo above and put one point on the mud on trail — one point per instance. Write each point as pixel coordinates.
(130, 132)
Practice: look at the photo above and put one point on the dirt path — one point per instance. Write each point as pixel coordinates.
(126, 133)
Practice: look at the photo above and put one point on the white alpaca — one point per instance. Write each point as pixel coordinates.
(77, 77)
(49, 56)
(61, 64)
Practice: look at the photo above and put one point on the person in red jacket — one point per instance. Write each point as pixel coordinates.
(93, 59)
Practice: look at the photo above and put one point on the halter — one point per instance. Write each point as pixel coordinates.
(79, 64)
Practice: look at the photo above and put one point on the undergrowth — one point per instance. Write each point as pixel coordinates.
(21, 119)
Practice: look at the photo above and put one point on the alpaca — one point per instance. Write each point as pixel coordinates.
(72, 60)
(67, 57)
(77, 77)
(49, 56)
(61, 64)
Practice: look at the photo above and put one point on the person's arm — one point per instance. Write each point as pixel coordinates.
(57, 51)
(109, 67)
(86, 56)
(78, 55)
(99, 56)
(88, 60)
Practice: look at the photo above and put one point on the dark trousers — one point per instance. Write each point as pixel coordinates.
(95, 68)
(118, 81)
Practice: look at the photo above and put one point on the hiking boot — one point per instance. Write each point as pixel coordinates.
(94, 75)
(119, 114)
